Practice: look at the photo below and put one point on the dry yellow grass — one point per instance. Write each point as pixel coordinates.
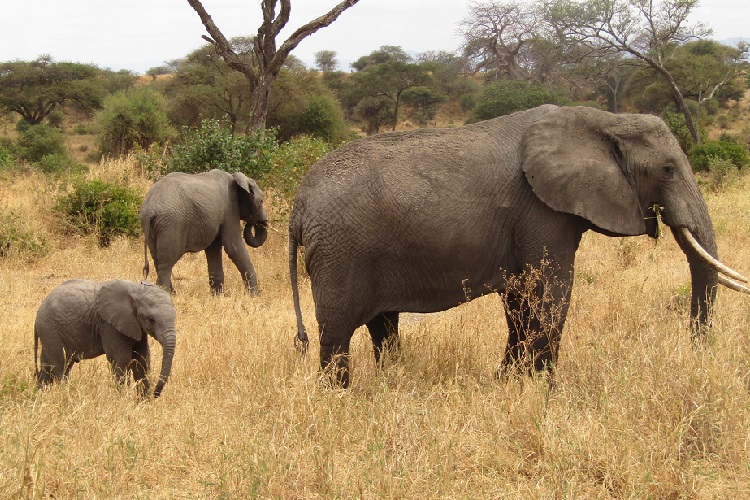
(636, 411)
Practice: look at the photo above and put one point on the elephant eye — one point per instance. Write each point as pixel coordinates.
(668, 170)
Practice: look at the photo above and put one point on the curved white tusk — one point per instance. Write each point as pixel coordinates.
(733, 285)
(685, 232)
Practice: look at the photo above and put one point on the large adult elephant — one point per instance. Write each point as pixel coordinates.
(411, 221)
(193, 212)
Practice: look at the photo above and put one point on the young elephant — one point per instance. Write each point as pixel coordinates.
(193, 212)
(83, 319)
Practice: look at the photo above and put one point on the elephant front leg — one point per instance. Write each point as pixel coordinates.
(140, 365)
(239, 256)
(535, 322)
(215, 267)
(384, 333)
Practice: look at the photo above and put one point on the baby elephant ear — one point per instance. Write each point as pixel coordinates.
(246, 183)
(571, 158)
(114, 303)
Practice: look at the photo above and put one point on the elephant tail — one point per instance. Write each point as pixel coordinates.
(36, 351)
(146, 228)
(301, 341)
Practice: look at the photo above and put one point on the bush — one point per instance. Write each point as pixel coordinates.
(725, 148)
(324, 118)
(722, 174)
(15, 240)
(132, 120)
(213, 146)
(506, 96)
(292, 161)
(59, 164)
(103, 209)
(38, 141)
(6, 157)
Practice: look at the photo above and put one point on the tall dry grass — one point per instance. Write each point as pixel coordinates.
(636, 411)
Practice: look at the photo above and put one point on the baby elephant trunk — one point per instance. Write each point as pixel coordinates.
(167, 340)
(259, 227)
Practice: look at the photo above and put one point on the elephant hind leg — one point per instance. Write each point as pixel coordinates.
(335, 338)
(53, 367)
(215, 267)
(384, 333)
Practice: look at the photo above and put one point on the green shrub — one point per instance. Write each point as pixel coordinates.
(38, 141)
(324, 118)
(6, 157)
(59, 164)
(55, 119)
(721, 175)
(131, 120)
(100, 208)
(508, 96)
(212, 146)
(16, 240)
(292, 161)
(725, 148)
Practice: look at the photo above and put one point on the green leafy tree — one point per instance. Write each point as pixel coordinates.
(35, 89)
(389, 80)
(424, 102)
(300, 103)
(508, 96)
(385, 53)
(325, 61)
(205, 87)
(650, 33)
(132, 120)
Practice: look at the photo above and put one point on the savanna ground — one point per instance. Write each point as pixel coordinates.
(637, 411)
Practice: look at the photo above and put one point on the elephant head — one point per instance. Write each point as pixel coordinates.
(620, 172)
(133, 308)
(250, 199)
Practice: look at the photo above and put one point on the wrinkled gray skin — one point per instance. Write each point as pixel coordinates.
(424, 220)
(83, 319)
(202, 212)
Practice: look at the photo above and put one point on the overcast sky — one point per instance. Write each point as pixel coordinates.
(140, 34)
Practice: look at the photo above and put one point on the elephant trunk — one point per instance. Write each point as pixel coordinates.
(167, 340)
(704, 275)
(259, 226)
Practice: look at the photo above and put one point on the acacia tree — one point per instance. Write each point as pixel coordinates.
(268, 59)
(388, 79)
(649, 32)
(325, 60)
(34, 89)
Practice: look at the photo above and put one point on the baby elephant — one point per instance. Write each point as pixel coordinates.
(195, 212)
(83, 319)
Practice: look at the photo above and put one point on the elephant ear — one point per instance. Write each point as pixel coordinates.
(247, 184)
(115, 305)
(572, 158)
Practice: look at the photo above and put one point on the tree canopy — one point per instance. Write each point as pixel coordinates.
(34, 89)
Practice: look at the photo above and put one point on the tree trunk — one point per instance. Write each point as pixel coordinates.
(259, 110)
